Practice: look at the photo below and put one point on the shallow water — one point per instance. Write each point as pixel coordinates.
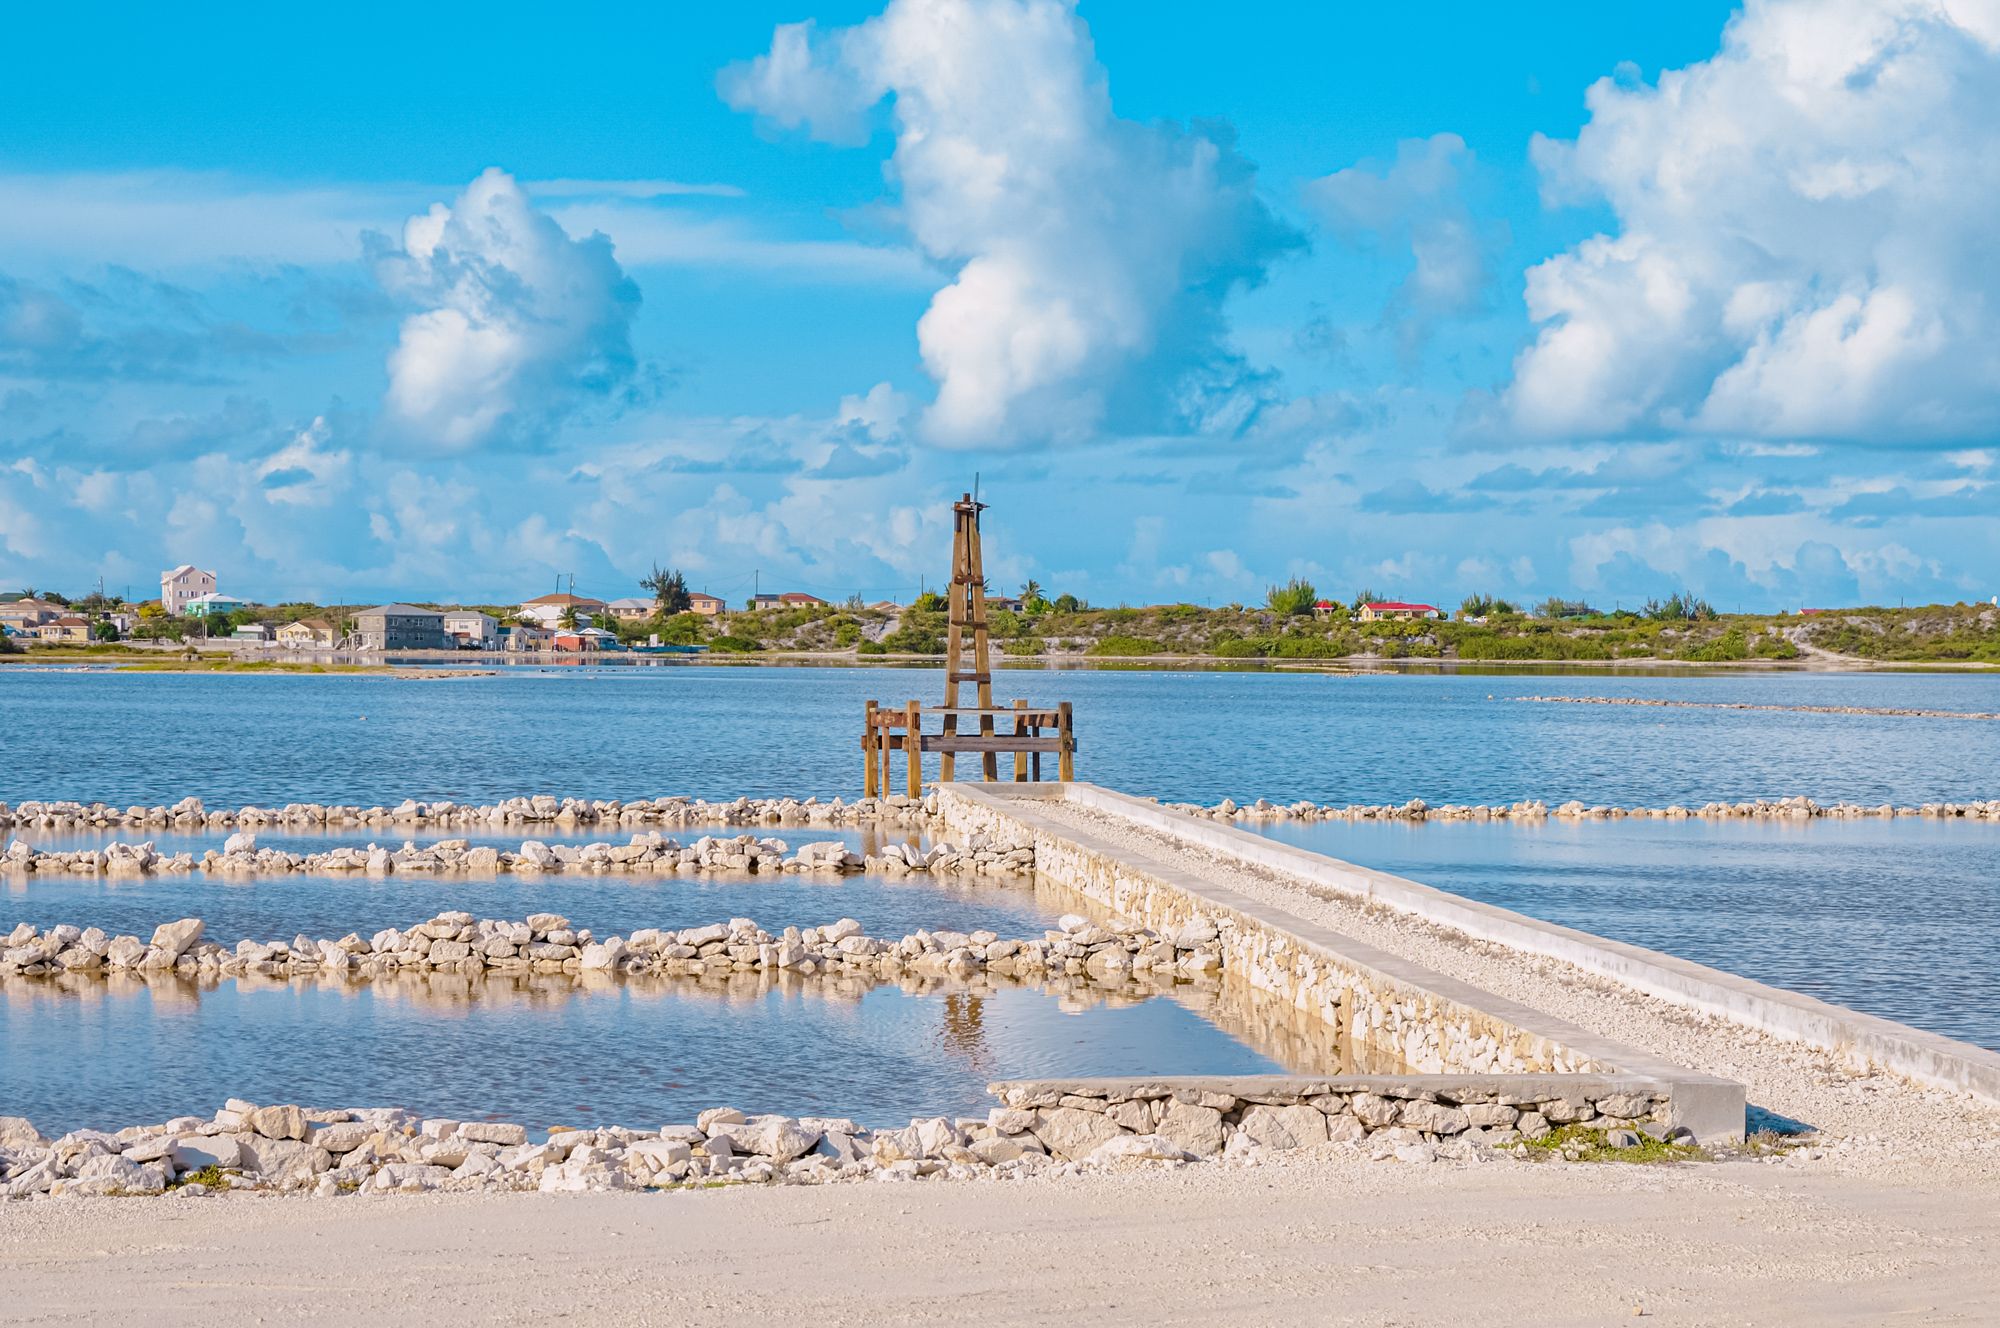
(631, 1053)
(1892, 917)
(310, 839)
(331, 906)
(1193, 734)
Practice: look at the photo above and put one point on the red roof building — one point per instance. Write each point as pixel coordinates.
(1397, 610)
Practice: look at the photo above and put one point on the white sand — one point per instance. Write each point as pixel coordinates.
(1316, 1241)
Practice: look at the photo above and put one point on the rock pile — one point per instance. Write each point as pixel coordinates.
(566, 813)
(1416, 809)
(649, 853)
(548, 943)
(1039, 1128)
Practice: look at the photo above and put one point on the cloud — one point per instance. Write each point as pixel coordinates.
(1418, 201)
(122, 327)
(518, 325)
(792, 87)
(1803, 245)
(1092, 254)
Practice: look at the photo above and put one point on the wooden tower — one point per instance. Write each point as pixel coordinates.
(965, 608)
(1036, 730)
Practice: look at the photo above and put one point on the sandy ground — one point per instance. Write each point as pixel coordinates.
(1319, 1241)
(1891, 1214)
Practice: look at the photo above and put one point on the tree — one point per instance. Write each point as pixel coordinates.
(929, 602)
(1552, 607)
(1068, 604)
(1365, 596)
(1679, 607)
(1483, 606)
(1294, 599)
(105, 630)
(568, 620)
(670, 589)
(151, 609)
(218, 624)
(608, 621)
(1031, 589)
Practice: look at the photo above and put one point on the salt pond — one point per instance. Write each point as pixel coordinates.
(1892, 917)
(559, 1050)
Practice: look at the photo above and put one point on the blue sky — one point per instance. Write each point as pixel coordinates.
(444, 302)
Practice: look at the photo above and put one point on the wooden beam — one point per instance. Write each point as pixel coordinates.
(1066, 763)
(991, 743)
(913, 751)
(1020, 731)
(868, 738)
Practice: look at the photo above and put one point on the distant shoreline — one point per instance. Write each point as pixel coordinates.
(431, 666)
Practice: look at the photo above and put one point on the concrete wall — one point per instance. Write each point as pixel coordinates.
(1862, 1040)
(1395, 1009)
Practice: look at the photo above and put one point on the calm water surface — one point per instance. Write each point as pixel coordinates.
(331, 906)
(628, 1053)
(719, 731)
(1893, 917)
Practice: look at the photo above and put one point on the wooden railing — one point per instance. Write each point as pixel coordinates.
(1035, 730)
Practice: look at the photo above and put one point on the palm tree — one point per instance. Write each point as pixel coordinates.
(1031, 590)
(568, 619)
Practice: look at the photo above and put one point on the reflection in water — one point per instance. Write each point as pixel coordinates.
(614, 1049)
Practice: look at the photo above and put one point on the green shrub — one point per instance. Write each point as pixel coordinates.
(1239, 648)
(1127, 645)
(913, 640)
(734, 645)
(1294, 599)
(871, 648)
(1024, 645)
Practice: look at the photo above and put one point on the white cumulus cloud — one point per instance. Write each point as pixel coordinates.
(517, 323)
(1804, 239)
(1092, 254)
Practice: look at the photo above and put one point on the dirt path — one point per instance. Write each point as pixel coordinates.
(1319, 1241)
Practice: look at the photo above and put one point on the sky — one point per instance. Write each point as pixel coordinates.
(454, 304)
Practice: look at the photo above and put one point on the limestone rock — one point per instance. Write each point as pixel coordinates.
(1284, 1127)
(1073, 1134)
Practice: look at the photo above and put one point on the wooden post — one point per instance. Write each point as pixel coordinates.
(1020, 730)
(883, 745)
(868, 781)
(1066, 766)
(913, 748)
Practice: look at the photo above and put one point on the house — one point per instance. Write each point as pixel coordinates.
(400, 627)
(253, 632)
(886, 606)
(122, 620)
(470, 629)
(1325, 608)
(583, 639)
(633, 609)
(795, 600)
(201, 606)
(528, 637)
(309, 634)
(25, 615)
(762, 602)
(548, 610)
(1007, 602)
(186, 582)
(68, 628)
(1395, 610)
(705, 604)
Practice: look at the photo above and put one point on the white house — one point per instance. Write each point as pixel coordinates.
(184, 583)
(633, 609)
(213, 602)
(470, 629)
(548, 610)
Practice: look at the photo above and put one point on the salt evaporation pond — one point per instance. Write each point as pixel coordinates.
(1894, 917)
(610, 1051)
(281, 907)
(865, 839)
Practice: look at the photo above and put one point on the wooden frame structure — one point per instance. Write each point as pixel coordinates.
(1035, 730)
